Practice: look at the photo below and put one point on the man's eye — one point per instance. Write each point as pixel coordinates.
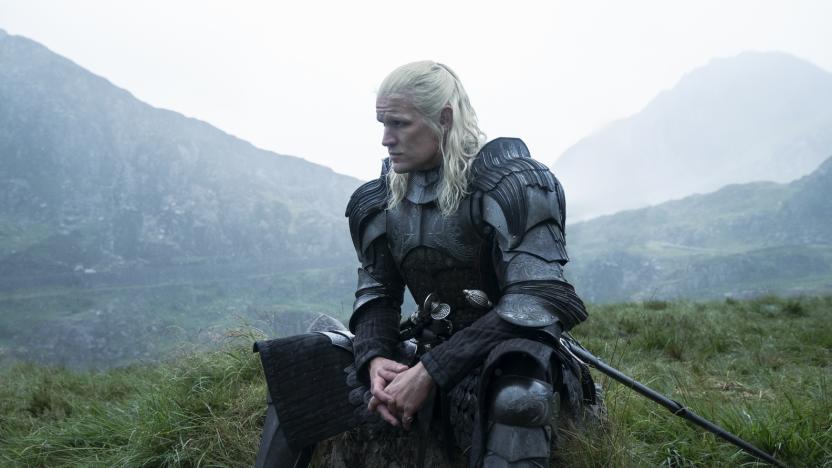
(397, 123)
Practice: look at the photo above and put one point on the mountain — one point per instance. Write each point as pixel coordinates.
(118, 219)
(742, 240)
(757, 116)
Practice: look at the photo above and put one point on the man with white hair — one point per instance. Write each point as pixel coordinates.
(475, 231)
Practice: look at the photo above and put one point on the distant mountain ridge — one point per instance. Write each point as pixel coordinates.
(743, 240)
(754, 117)
(95, 180)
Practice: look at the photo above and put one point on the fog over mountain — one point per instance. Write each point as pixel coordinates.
(757, 116)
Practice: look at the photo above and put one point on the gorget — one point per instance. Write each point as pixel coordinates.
(423, 186)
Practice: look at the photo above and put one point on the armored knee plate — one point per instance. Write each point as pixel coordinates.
(520, 413)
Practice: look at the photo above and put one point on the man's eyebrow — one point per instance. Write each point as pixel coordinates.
(392, 114)
(381, 115)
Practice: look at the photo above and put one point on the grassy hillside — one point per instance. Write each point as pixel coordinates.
(760, 368)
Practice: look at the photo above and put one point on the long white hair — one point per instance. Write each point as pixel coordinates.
(431, 87)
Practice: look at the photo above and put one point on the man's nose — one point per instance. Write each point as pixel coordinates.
(388, 139)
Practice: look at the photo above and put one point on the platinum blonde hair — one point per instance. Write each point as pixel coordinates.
(431, 87)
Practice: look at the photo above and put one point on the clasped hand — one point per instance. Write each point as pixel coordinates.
(398, 391)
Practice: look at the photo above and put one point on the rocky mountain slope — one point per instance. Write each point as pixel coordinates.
(97, 181)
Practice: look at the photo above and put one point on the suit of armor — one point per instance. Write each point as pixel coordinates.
(505, 239)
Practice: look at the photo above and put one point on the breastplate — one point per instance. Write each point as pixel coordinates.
(412, 225)
(440, 254)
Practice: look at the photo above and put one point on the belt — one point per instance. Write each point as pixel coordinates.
(433, 322)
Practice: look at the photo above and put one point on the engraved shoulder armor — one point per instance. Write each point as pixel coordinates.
(518, 192)
(524, 204)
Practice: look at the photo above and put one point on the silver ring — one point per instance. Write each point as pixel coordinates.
(407, 419)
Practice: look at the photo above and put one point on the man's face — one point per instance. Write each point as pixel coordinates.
(411, 143)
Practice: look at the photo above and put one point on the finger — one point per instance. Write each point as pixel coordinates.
(376, 384)
(394, 407)
(407, 420)
(395, 366)
(387, 375)
(380, 394)
(387, 415)
(373, 404)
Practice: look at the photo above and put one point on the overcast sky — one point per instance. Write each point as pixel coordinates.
(299, 77)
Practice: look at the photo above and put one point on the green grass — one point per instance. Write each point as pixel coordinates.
(759, 368)
(200, 410)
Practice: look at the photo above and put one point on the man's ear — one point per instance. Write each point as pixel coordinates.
(446, 118)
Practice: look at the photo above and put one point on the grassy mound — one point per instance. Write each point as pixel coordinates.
(758, 368)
